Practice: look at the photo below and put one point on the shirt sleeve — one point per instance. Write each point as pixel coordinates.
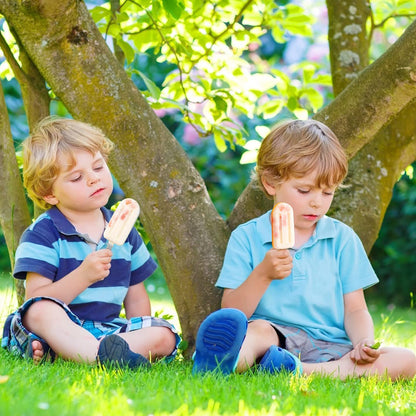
(355, 268)
(238, 261)
(142, 263)
(36, 252)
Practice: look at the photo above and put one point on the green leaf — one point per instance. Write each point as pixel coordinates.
(301, 113)
(322, 79)
(249, 157)
(262, 131)
(151, 86)
(99, 13)
(262, 82)
(314, 97)
(270, 108)
(375, 346)
(278, 34)
(127, 50)
(219, 141)
(220, 104)
(252, 145)
(292, 103)
(174, 8)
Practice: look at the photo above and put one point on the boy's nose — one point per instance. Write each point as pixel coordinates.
(92, 178)
(314, 202)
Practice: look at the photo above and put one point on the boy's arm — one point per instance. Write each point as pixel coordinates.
(276, 265)
(359, 327)
(95, 267)
(137, 302)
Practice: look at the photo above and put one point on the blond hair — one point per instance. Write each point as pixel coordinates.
(295, 148)
(53, 137)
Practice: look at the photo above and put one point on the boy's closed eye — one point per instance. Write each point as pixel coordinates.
(306, 191)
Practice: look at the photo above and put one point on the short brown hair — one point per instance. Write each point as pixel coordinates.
(295, 148)
(52, 137)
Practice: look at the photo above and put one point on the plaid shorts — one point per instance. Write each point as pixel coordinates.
(18, 340)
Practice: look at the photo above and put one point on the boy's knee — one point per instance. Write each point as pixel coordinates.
(169, 340)
(263, 329)
(164, 342)
(409, 359)
(38, 311)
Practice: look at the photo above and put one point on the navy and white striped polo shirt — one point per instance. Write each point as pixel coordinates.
(52, 247)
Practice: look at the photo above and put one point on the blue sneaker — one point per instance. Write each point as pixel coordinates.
(114, 351)
(277, 359)
(219, 341)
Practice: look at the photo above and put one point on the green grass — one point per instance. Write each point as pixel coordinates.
(66, 388)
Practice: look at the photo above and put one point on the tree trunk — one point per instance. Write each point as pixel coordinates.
(374, 170)
(348, 40)
(36, 102)
(14, 214)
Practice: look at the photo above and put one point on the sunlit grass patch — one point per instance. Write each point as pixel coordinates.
(66, 388)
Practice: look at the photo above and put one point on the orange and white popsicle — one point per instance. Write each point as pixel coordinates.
(122, 222)
(283, 226)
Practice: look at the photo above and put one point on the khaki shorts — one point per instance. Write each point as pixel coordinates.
(308, 349)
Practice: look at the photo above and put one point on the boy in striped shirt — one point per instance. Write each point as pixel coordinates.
(75, 285)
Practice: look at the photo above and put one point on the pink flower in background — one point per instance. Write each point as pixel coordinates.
(190, 135)
(317, 52)
(162, 112)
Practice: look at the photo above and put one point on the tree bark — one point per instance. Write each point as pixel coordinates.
(348, 40)
(374, 170)
(14, 214)
(376, 96)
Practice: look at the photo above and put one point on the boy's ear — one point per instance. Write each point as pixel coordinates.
(268, 186)
(50, 199)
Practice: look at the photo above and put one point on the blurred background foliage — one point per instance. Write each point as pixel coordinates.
(293, 49)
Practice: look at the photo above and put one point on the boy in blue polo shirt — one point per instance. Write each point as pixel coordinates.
(75, 285)
(306, 307)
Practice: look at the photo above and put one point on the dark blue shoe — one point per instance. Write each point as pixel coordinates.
(219, 341)
(114, 351)
(277, 359)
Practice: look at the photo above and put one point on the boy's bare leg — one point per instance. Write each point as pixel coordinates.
(70, 341)
(153, 342)
(393, 362)
(260, 337)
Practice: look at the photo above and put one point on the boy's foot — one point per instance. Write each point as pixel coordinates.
(277, 359)
(219, 341)
(115, 351)
(37, 351)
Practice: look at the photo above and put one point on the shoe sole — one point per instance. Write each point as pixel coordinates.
(115, 351)
(219, 341)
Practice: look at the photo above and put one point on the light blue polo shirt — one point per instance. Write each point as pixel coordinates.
(332, 263)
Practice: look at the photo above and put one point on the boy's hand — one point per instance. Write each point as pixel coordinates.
(363, 353)
(96, 266)
(277, 264)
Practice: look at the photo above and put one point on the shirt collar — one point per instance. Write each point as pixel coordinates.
(64, 226)
(325, 228)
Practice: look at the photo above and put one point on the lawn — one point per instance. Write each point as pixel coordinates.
(72, 389)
